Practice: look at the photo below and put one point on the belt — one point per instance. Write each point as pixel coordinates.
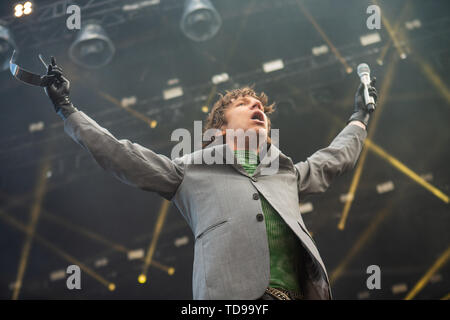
(282, 294)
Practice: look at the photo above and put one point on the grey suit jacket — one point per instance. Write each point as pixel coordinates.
(231, 255)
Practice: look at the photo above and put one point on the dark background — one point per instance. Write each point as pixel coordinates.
(404, 231)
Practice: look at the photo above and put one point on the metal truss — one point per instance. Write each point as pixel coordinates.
(47, 24)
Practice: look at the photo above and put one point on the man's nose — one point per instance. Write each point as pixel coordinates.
(257, 105)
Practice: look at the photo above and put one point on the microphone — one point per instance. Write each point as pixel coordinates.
(363, 71)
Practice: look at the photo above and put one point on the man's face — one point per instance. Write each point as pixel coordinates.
(246, 113)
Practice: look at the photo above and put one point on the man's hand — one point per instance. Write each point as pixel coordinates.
(58, 90)
(360, 114)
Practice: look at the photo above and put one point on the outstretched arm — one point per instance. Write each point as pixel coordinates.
(318, 171)
(130, 162)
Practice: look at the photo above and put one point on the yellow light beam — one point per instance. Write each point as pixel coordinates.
(316, 26)
(156, 232)
(439, 263)
(16, 201)
(397, 164)
(83, 231)
(395, 33)
(371, 131)
(400, 20)
(408, 172)
(362, 240)
(39, 194)
(137, 114)
(96, 237)
(426, 68)
(392, 31)
(27, 230)
(433, 77)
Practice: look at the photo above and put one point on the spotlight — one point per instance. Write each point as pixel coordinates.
(18, 10)
(7, 46)
(23, 9)
(92, 48)
(27, 7)
(200, 20)
(142, 278)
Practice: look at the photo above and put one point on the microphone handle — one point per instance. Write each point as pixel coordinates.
(369, 101)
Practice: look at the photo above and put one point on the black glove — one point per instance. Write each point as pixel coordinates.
(58, 90)
(360, 112)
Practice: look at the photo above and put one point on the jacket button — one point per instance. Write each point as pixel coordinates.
(255, 196)
(259, 217)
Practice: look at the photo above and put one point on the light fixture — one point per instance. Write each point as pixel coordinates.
(320, 50)
(7, 46)
(200, 20)
(369, 39)
(23, 9)
(219, 78)
(273, 65)
(18, 10)
(142, 278)
(92, 47)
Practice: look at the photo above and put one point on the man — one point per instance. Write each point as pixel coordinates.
(250, 238)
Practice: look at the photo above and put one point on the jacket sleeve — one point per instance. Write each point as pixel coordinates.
(318, 171)
(129, 162)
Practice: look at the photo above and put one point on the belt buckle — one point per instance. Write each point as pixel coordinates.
(278, 294)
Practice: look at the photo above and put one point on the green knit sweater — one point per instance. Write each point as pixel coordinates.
(284, 246)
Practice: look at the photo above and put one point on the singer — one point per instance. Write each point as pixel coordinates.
(250, 238)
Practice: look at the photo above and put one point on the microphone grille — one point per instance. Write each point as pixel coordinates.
(362, 68)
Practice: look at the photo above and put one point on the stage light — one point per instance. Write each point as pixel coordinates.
(36, 126)
(23, 9)
(58, 275)
(7, 46)
(18, 10)
(140, 5)
(181, 241)
(172, 93)
(200, 20)
(92, 47)
(219, 78)
(27, 7)
(273, 65)
(306, 207)
(135, 254)
(385, 187)
(153, 124)
(317, 51)
(142, 278)
(205, 109)
(171, 271)
(370, 38)
(413, 24)
(102, 262)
